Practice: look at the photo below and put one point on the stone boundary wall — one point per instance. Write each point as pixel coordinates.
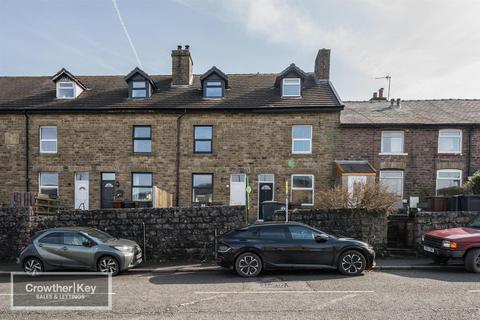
(370, 227)
(427, 221)
(170, 234)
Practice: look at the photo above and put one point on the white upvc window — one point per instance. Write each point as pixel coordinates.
(139, 89)
(303, 189)
(392, 180)
(450, 141)
(447, 178)
(48, 183)
(301, 139)
(65, 90)
(48, 139)
(291, 87)
(392, 142)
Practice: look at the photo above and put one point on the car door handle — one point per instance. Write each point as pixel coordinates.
(40, 245)
(65, 248)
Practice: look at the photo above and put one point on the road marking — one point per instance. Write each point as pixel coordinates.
(283, 292)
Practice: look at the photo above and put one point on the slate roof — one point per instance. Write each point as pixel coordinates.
(354, 166)
(246, 91)
(415, 112)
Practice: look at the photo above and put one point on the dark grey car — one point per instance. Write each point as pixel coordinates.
(79, 248)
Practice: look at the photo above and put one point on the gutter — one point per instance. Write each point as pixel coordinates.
(177, 160)
(27, 155)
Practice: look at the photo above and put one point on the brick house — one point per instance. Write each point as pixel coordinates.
(417, 146)
(88, 139)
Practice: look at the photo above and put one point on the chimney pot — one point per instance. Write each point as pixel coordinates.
(374, 95)
(182, 67)
(380, 93)
(322, 64)
(187, 47)
(398, 102)
(392, 102)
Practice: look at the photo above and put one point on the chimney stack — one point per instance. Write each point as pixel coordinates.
(182, 66)
(374, 95)
(380, 93)
(398, 102)
(322, 64)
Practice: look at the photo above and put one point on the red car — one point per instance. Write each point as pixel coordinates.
(455, 243)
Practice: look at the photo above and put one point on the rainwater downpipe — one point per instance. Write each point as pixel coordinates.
(177, 160)
(27, 155)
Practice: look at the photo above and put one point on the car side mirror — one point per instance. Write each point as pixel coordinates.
(87, 243)
(321, 238)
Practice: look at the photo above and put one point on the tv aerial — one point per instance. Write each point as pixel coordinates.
(389, 80)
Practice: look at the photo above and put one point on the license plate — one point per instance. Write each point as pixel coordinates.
(428, 249)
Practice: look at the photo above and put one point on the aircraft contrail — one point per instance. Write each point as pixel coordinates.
(126, 33)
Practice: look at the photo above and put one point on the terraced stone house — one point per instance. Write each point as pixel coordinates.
(205, 138)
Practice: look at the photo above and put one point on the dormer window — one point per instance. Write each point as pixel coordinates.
(214, 89)
(65, 90)
(140, 84)
(139, 89)
(291, 87)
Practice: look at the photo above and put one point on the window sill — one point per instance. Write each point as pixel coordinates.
(142, 154)
(392, 154)
(291, 97)
(48, 154)
(449, 154)
(301, 153)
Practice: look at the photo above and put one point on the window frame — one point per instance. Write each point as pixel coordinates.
(40, 186)
(145, 88)
(133, 186)
(460, 137)
(141, 139)
(292, 188)
(195, 139)
(382, 148)
(448, 170)
(193, 186)
(220, 85)
(299, 87)
(74, 89)
(380, 178)
(302, 139)
(48, 140)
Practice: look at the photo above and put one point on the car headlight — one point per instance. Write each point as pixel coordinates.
(449, 244)
(223, 248)
(125, 249)
(423, 238)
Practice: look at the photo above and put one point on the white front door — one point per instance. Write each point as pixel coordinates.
(81, 190)
(238, 195)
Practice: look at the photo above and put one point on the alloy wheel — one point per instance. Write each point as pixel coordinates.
(32, 266)
(352, 263)
(248, 265)
(108, 265)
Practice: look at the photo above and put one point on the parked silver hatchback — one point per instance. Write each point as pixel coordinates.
(79, 248)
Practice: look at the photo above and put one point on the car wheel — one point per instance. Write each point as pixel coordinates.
(351, 262)
(32, 265)
(248, 264)
(108, 264)
(440, 260)
(472, 261)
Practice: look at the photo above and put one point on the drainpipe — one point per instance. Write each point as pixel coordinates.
(177, 160)
(469, 152)
(27, 156)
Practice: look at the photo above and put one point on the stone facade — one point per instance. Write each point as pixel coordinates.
(243, 142)
(170, 234)
(421, 159)
(371, 227)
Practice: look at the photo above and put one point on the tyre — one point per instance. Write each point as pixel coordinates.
(108, 264)
(351, 263)
(32, 265)
(440, 260)
(472, 261)
(248, 265)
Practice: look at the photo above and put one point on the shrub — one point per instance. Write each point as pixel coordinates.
(473, 184)
(370, 196)
(451, 191)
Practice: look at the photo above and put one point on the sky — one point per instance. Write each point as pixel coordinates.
(431, 48)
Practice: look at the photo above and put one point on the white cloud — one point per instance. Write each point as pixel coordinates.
(431, 48)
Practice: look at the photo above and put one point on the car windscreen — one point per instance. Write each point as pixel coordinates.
(475, 223)
(97, 234)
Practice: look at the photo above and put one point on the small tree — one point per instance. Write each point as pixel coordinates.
(473, 185)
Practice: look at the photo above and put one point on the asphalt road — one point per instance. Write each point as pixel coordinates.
(408, 294)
